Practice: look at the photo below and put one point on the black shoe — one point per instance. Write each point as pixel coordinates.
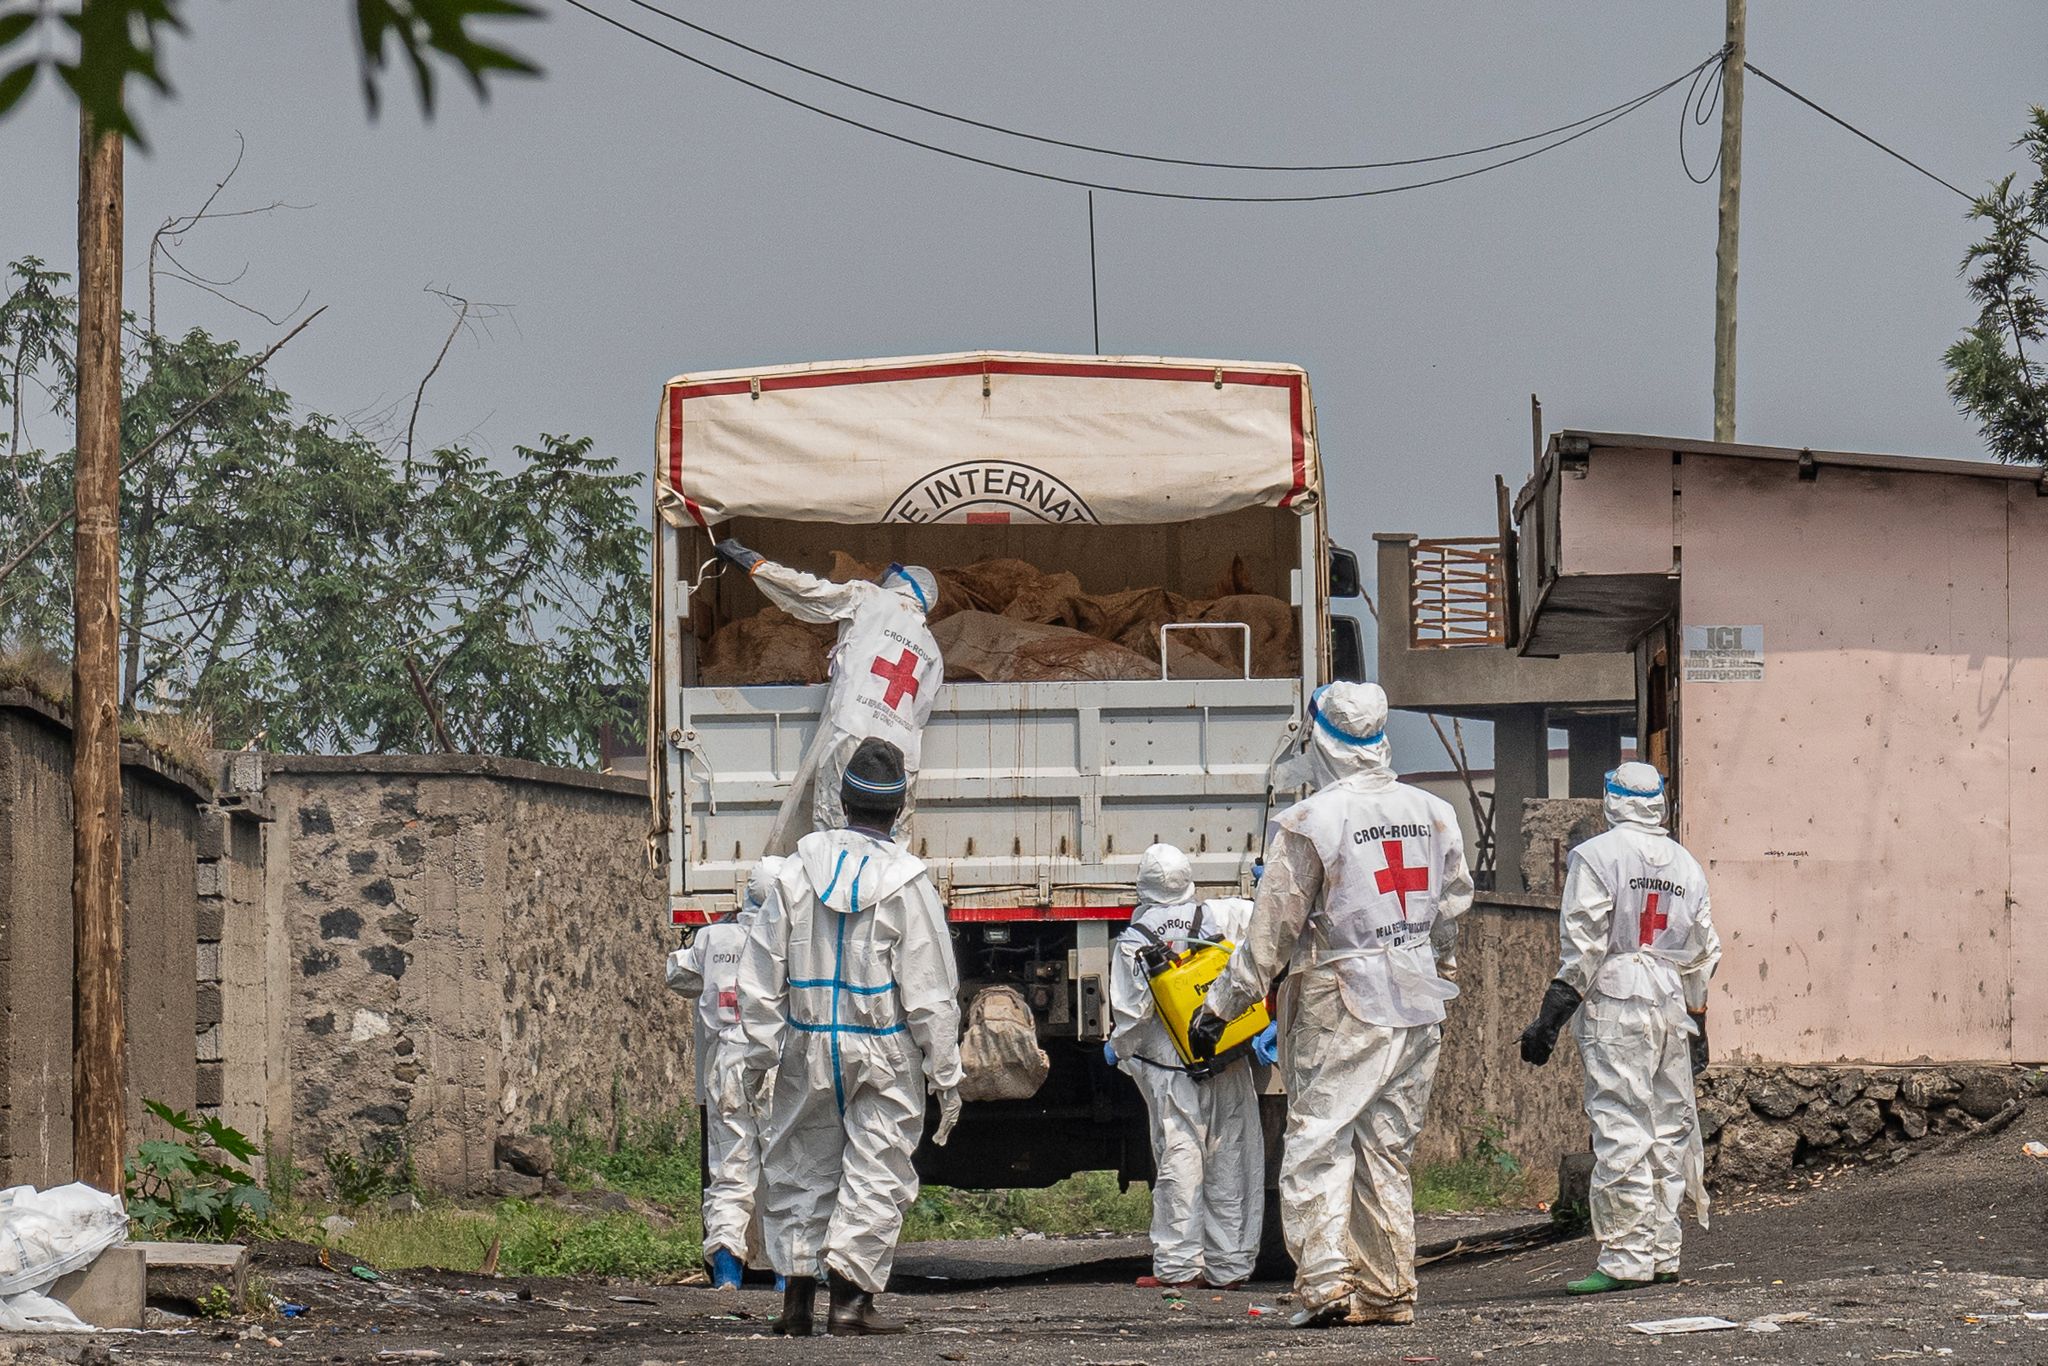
(853, 1311)
(797, 1320)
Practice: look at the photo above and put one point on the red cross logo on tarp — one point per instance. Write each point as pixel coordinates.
(902, 676)
(1397, 877)
(1651, 921)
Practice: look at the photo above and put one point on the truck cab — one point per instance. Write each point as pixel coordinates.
(1187, 491)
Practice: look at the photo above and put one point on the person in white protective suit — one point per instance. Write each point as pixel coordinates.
(1208, 1154)
(1639, 947)
(1364, 882)
(850, 998)
(886, 672)
(707, 970)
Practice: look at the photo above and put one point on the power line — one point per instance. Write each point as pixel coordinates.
(1620, 112)
(1126, 154)
(1836, 118)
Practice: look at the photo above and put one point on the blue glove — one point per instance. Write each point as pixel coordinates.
(1258, 871)
(1266, 1047)
(1109, 1052)
(737, 555)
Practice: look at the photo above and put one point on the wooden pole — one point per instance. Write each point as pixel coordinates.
(1731, 221)
(99, 1081)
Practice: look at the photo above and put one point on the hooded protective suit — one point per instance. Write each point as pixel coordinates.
(886, 672)
(1364, 883)
(708, 971)
(849, 995)
(1208, 1194)
(1639, 946)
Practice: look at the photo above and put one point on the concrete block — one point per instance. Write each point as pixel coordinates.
(109, 1292)
(207, 1044)
(210, 836)
(206, 1005)
(208, 1084)
(184, 1272)
(208, 963)
(211, 921)
(210, 879)
(245, 772)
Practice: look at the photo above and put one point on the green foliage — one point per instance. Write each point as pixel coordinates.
(533, 1240)
(1487, 1176)
(652, 1158)
(287, 578)
(385, 1169)
(1083, 1203)
(195, 1189)
(1997, 372)
(216, 1303)
(119, 42)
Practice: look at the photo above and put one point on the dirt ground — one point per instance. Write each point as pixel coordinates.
(1942, 1256)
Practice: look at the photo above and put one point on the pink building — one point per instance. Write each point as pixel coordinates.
(1842, 662)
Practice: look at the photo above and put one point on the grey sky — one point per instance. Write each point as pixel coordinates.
(644, 218)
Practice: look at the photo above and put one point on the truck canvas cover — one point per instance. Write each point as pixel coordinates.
(986, 436)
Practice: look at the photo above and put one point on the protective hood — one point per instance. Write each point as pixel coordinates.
(1347, 733)
(1165, 877)
(759, 881)
(847, 871)
(1635, 796)
(913, 581)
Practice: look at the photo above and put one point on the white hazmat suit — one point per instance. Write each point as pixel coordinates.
(1208, 1154)
(707, 970)
(886, 672)
(1364, 883)
(1639, 946)
(849, 995)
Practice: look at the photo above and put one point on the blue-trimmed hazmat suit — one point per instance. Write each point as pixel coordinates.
(850, 998)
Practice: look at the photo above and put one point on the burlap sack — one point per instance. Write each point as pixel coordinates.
(999, 1053)
(981, 647)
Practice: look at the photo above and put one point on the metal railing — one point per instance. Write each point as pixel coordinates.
(1459, 592)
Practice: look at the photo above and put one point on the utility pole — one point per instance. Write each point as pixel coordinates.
(1731, 221)
(99, 1053)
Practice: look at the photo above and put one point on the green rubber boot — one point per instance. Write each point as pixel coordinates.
(1599, 1283)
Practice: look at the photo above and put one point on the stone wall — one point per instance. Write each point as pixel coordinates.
(1507, 952)
(160, 820)
(474, 948)
(1760, 1123)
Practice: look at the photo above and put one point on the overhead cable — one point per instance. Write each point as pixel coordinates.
(1124, 153)
(1619, 112)
(1836, 118)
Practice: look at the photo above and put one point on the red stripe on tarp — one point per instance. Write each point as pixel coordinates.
(988, 519)
(675, 457)
(1300, 435)
(686, 915)
(986, 914)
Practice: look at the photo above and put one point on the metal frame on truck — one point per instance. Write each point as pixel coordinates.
(1035, 799)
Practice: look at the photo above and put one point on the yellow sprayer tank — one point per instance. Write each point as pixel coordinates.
(1181, 985)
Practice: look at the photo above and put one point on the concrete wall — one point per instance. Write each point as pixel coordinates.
(1474, 680)
(1507, 954)
(159, 829)
(1873, 815)
(475, 947)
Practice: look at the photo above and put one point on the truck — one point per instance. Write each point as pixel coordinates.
(1035, 799)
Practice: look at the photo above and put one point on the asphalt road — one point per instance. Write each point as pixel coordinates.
(1942, 1257)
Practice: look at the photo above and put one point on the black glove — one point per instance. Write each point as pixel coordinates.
(1541, 1037)
(1699, 1041)
(1205, 1031)
(737, 555)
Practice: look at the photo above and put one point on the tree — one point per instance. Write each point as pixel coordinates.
(308, 589)
(1998, 372)
(117, 41)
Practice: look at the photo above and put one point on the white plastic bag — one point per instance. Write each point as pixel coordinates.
(47, 1234)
